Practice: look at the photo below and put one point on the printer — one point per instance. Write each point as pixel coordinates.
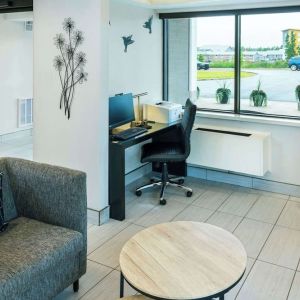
(163, 112)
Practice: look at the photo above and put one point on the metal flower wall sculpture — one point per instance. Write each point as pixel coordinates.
(69, 63)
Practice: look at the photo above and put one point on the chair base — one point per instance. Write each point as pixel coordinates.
(164, 182)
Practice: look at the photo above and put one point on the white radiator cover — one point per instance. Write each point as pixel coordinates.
(241, 154)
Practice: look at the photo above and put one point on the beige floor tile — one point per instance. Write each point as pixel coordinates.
(266, 282)
(239, 203)
(212, 199)
(267, 209)
(89, 226)
(98, 235)
(232, 294)
(108, 289)
(295, 199)
(282, 248)
(95, 273)
(140, 206)
(161, 214)
(108, 254)
(253, 235)
(178, 194)
(270, 194)
(194, 213)
(290, 216)
(227, 221)
(295, 291)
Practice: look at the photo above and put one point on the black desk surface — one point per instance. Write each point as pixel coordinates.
(117, 160)
(157, 128)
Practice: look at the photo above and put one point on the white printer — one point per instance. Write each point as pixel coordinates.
(163, 112)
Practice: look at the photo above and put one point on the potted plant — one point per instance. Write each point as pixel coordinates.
(297, 92)
(223, 94)
(258, 96)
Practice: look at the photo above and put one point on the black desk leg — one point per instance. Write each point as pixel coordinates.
(117, 182)
(121, 285)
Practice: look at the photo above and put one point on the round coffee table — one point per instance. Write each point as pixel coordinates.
(182, 261)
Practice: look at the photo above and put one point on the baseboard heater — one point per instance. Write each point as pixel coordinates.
(230, 149)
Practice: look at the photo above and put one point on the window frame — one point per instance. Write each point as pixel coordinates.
(238, 14)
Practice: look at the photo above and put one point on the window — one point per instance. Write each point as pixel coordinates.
(25, 112)
(215, 63)
(245, 61)
(269, 41)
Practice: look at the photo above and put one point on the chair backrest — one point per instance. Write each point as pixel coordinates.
(187, 124)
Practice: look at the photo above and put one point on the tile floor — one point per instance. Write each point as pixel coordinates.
(268, 224)
(19, 146)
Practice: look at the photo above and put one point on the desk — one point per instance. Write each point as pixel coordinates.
(117, 166)
(183, 261)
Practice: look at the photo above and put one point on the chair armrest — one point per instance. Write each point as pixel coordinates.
(50, 194)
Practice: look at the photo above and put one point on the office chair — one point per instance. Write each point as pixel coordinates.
(175, 151)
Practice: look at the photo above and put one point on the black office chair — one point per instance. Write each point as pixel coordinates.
(175, 151)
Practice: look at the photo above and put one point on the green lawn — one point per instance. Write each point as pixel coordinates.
(226, 74)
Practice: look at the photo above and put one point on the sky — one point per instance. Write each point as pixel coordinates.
(257, 30)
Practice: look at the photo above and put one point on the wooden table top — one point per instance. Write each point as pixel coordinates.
(183, 260)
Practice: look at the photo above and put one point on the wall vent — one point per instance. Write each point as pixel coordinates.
(28, 25)
(25, 112)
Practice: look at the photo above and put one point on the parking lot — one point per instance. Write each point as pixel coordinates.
(279, 84)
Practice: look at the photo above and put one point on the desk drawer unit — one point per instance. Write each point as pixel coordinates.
(230, 149)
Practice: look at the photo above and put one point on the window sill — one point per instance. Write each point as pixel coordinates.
(251, 119)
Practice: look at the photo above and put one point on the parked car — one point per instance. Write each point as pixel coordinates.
(202, 65)
(294, 63)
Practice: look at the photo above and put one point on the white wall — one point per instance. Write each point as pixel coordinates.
(81, 142)
(140, 69)
(16, 71)
(285, 149)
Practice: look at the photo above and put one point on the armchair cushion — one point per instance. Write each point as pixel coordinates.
(30, 248)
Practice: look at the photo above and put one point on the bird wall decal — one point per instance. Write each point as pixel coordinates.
(148, 24)
(127, 41)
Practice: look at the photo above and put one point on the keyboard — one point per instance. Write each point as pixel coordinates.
(130, 133)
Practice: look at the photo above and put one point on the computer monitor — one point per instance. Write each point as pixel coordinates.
(121, 110)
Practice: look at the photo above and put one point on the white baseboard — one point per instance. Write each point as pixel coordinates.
(244, 180)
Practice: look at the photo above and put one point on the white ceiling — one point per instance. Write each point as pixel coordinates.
(186, 5)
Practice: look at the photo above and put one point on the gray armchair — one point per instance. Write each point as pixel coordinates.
(43, 250)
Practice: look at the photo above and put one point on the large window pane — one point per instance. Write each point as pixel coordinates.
(271, 52)
(215, 62)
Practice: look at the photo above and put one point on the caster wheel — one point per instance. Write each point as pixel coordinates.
(189, 194)
(163, 202)
(138, 193)
(181, 181)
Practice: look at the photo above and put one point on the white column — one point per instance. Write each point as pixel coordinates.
(81, 142)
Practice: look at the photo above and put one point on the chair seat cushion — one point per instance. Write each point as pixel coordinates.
(31, 248)
(162, 152)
